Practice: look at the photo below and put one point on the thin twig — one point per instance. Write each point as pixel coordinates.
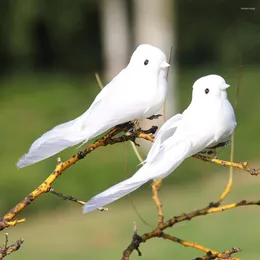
(100, 84)
(227, 189)
(167, 76)
(231, 169)
(7, 250)
(206, 211)
(138, 155)
(6, 241)
(242, 165)
(187, 243)
(59, 194)
(156, 188)
(230, 179)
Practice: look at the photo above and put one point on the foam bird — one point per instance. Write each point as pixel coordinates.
(208, 120)
(137, 92)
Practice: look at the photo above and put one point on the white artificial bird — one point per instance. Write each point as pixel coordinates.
(208, 120)
(137, 92)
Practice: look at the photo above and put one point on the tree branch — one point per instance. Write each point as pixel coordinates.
(73, 199)
(109, 139)
(223, 255)
(242, 165)
(64, 197)
(158, 231)
(186, 243)
(7, 250)
(156, 188)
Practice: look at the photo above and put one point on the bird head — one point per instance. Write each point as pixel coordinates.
(209, 87)
(148, 58)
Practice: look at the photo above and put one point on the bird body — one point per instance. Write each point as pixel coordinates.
(137, 92)
(208, 120)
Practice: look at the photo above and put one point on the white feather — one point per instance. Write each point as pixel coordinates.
(166, 131)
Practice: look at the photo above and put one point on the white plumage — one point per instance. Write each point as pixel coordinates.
(208, 120)
(137, 92)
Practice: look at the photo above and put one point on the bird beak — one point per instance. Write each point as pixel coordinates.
(225, 86)
(164, 65)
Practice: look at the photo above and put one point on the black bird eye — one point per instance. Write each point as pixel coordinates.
(146, 62)
(206, 90)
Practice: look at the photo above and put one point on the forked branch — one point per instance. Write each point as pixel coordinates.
(7, 250)
(158, 231)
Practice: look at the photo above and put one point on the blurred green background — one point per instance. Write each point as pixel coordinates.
(49, 52)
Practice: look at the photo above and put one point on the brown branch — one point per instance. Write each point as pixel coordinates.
(4, 224)
(45, 187)
(205, 211)
(157, 232)
(242, 165)
(222, 196)
(7, 250)
(225, 192)
(186, 243)
(73, 199)
(210, 254)
(155, 188)
(223, 255)
(64, 197)
(6, 241)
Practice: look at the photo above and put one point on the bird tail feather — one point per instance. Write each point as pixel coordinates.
(116, 192)
(57, 139)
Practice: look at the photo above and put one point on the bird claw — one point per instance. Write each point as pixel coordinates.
(151, 130)
(136, 144)
(154, 117)
(228, 142)
(131, 131)
(223, 144)
(209, 152)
